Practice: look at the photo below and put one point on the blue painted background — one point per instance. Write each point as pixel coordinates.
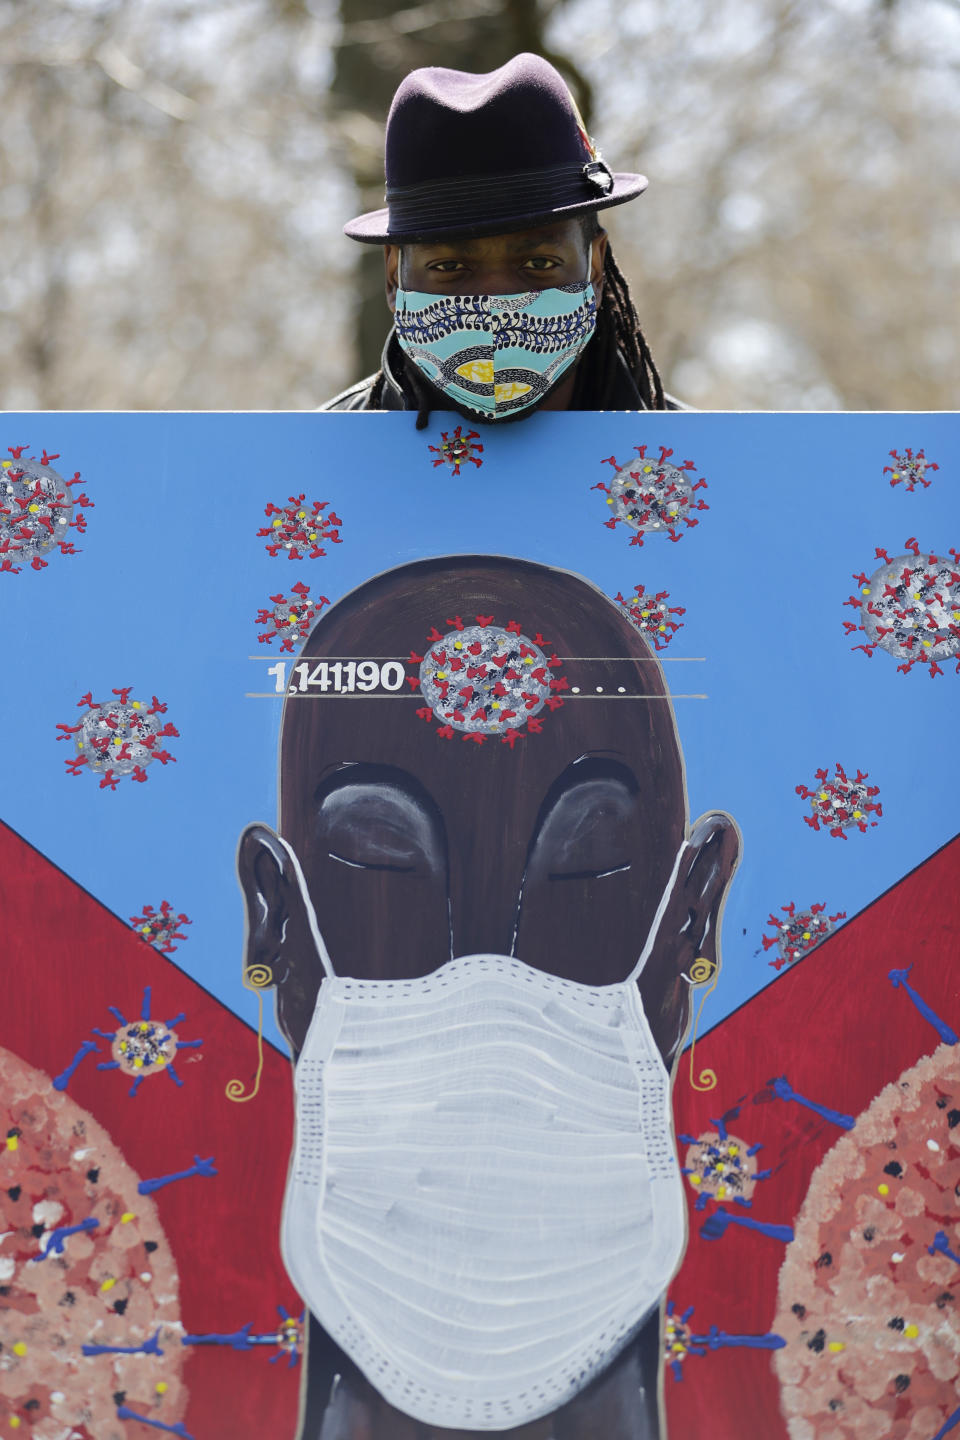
(164, 595)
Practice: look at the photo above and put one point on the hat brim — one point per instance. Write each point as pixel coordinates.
(373, 228)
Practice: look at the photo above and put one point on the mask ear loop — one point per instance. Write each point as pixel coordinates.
(260, 977)
(256, 978)
(707, 973)
(658, 917)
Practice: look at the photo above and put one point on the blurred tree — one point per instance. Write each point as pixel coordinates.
(799, 246)
(172, 188)
(168, 206)
(380, 42)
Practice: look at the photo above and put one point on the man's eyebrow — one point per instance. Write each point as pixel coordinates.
(528, 241)
(471, 248)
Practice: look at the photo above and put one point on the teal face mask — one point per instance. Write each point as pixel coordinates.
(496, 354)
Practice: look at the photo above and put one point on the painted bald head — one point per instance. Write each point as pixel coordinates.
(426, 837)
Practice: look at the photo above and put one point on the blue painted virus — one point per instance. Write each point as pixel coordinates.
(287, 1338)
(679, 1340)
(139, 1048)
(720, 1166)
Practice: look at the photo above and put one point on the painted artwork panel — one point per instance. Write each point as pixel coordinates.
(471, 768)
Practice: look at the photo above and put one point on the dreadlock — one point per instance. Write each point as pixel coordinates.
(617, 341)
(617, 338)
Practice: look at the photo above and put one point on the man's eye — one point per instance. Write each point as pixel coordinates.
(541, 262)
(447, 267)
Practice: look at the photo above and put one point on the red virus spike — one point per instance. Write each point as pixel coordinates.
(909, 469)
(842, 802)
(910, 607)
(799, 933)
(292, 618)
(160, 928)
(37, 507)
(507, 678)
(299, 527)
(117, 739)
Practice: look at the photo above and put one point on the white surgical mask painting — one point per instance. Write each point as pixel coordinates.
(496, 354)
(484, 1203)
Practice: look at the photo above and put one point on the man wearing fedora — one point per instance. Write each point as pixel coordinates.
(505, 294)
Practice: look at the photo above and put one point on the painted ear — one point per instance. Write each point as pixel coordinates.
(279, 936)
(689, 929)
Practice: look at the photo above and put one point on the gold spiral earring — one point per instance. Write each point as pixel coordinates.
(256, 978)
(703, 972)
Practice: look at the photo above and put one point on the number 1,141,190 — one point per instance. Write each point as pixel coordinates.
(340, 676)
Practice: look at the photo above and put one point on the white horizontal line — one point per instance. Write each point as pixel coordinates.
(287, 657)
(400, 695)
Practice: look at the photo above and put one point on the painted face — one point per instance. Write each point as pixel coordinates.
(483, 800)
(419, 844)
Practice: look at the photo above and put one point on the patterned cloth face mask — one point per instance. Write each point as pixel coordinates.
(496, 354)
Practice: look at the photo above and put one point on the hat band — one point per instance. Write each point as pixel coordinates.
(489, 198)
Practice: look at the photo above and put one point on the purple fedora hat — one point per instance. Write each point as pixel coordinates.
(486, 154)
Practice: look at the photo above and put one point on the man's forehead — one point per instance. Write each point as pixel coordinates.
(567, 232)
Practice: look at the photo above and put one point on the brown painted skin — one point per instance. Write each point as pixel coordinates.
(557, 851)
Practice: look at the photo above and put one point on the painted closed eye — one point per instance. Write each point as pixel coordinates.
(584, 837)
(374, 825)
(585, 827)
(370, 864)
(588, 874)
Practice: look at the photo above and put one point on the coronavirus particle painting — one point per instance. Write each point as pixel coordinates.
(533, 964)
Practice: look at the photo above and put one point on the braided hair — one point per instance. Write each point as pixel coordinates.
(617, 337)
(617, 340)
